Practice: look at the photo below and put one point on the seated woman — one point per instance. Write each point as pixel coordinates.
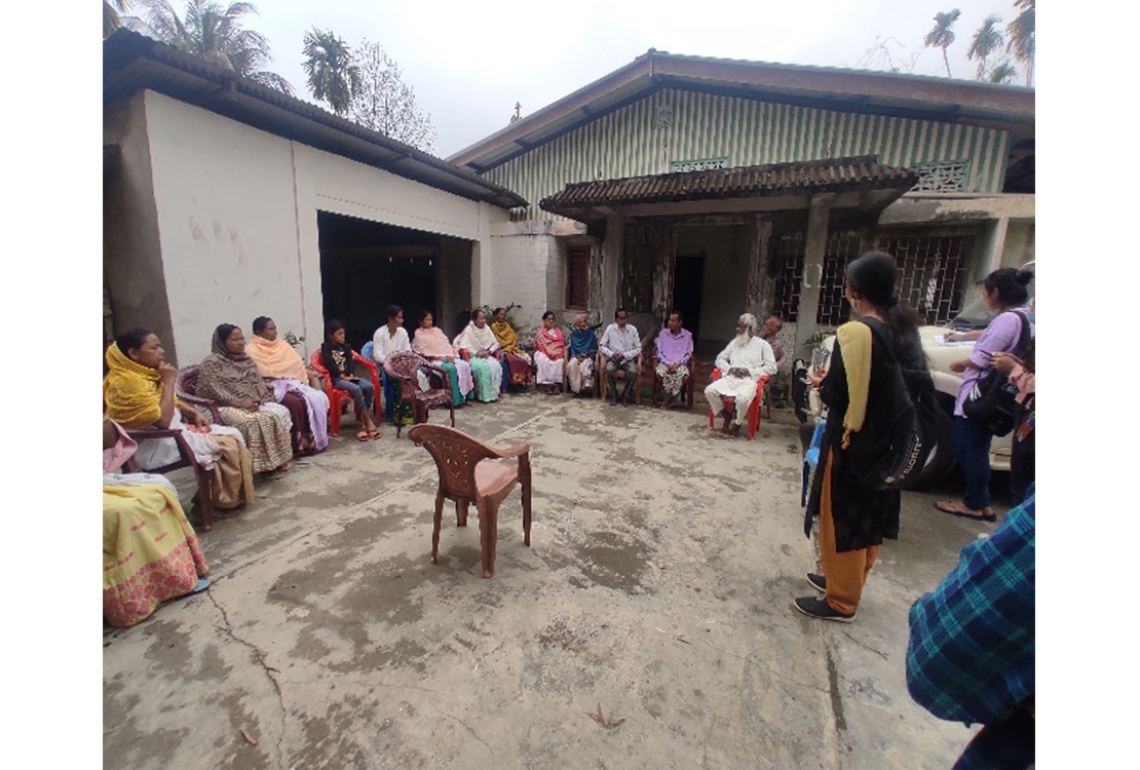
(150, 551)
(336, 356)
(480, 343)
(583, 352)
(138, 392)
(229, 377)
(294, 387)
(550, 354)
(517, 360)
(431, 343)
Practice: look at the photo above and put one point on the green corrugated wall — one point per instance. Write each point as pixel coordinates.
(625, 143)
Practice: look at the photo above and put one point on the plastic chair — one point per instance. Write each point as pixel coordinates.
(753, 408)
(466, 475)
(811, 458)
(186, 459)
(337, 397)
(186, 386)
(402, 366)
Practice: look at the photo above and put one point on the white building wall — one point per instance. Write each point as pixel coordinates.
(237, 219)
(521, 266)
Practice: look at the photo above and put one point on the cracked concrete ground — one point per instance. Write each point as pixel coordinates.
(657, 589)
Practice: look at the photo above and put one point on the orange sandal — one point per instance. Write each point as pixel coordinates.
(373, 434)
(362, 435)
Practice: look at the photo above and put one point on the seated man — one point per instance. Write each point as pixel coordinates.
(768, 333)
(674, 351)
(620, 346)
(746, 359)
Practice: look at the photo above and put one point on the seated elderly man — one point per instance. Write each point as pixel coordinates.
(746, 359)
(674, 352)
(620, 346)
(772, 326)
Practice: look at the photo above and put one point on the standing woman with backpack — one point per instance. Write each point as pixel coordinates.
(859, 394)
(1005, 292)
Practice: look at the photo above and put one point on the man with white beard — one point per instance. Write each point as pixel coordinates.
(746, 359)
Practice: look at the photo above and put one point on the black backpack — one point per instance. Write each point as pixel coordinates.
(892, 455)
(992, 401)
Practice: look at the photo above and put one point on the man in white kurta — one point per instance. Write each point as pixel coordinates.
(746, 359)
(620, 346)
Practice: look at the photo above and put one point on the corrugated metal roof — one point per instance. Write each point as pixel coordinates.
(132, 61)
(863, 172)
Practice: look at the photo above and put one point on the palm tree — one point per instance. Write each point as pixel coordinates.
(986, 40)
(332, 75)
(942, 36)
(216, 34)
(113, 17)
(1021, 36)
(1003, 73)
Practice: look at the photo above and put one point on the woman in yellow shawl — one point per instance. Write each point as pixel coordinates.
(857, 389)
(150, 551)
(138, 392)
(517, 360)
(293, 386)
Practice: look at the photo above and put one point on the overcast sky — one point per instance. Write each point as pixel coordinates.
(470, 62)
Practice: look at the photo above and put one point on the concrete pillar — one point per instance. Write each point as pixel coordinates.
(815, 242)
(611, 257)
(995, 243)
(758, 298)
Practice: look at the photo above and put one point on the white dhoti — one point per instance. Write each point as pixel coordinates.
(549, 369)
(743, 389)
(581, 373)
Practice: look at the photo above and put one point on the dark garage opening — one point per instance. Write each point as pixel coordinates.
(367, 266)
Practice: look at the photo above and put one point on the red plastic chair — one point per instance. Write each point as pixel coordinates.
(336, 397)
(753, 408)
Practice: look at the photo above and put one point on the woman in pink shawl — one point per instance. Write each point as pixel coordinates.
(549, 354)
(431, 343)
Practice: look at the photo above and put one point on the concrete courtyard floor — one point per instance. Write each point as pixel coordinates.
(657, 587)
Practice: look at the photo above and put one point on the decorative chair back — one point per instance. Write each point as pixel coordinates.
(456, 454)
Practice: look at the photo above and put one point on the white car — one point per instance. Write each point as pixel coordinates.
(939, 355)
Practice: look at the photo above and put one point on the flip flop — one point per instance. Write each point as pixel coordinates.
(362, 435)
(373, 434)
(948, 508)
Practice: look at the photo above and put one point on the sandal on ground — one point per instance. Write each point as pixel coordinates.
(362, 435)
(961, 511)
(373, 434)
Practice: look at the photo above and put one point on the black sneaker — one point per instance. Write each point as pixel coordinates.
(818, 582)
(815, 607)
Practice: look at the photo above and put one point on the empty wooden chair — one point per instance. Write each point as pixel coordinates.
(469, 473)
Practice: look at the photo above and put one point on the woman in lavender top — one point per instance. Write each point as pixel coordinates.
(1005, 293)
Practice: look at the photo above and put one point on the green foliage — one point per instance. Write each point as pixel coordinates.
(330, 72)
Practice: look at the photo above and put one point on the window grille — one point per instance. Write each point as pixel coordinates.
(841, 248)
(790, 264)
(701, 164)
(932, 273)
(942, 176)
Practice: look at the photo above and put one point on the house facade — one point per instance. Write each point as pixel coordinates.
(721, 186)
(225, 200)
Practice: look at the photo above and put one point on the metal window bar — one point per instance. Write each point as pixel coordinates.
(932, 273)
(789, 279)
(841, 248)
